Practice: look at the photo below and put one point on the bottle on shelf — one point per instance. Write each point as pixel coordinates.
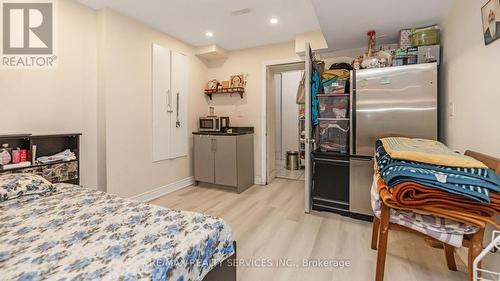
(5, 154)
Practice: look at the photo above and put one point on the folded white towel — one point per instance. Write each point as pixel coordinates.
(66, 155)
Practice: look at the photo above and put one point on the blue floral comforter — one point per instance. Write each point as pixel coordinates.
(83, 234)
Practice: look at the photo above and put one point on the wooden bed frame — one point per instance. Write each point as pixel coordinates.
(474, 242)
(226, 271)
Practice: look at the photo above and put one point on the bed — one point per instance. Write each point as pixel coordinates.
(75, 233)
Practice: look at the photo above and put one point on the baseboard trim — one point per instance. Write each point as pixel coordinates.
(164, 190)
(258, 180)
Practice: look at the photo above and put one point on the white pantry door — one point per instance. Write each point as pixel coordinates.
(178, 121)
(162, 102)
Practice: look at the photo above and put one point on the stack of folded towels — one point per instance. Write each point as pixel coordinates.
(433, 189)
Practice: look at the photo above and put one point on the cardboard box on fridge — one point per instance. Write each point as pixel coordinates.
(404, 39)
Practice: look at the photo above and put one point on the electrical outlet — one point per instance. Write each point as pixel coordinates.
(451, 109)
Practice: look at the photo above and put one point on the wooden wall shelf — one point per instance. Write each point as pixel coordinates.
(237, 90)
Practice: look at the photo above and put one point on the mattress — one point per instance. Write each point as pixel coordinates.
(83, 234)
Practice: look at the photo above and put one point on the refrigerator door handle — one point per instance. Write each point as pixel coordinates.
(365, 159)
(332, 161)
(352, 113)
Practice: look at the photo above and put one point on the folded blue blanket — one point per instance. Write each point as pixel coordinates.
(470, 182)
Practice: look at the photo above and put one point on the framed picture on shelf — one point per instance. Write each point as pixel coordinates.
(213, 85)
(237, 81)
(491, 21)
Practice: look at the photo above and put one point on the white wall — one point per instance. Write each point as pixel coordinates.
(246, 111)
(102, 88)
(470, 82)
(314, 38)
(285, 112)
(277, 118)
(62, 99)
(289, 111)
(126, 88)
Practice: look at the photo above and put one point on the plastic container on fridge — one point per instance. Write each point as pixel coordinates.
(333, 106)
(334, 135)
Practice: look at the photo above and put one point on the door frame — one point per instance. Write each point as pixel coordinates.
(264, 93)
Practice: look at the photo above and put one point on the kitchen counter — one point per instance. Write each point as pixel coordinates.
(236, 131)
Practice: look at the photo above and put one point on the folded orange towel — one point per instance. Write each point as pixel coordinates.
(456, 209)
(417, 195)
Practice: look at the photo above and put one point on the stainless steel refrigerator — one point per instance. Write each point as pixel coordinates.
(393, 101)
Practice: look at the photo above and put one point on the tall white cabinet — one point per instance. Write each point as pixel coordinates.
(170, 72)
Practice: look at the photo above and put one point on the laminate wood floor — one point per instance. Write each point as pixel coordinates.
(269, 224)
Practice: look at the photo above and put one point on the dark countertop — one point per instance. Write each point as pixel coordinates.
(237, 131)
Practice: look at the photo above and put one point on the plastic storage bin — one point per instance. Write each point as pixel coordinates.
(425, 37)
(337, 86)
(334, 135)
(333, 106)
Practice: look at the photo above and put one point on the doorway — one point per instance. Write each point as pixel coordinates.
(284, 121)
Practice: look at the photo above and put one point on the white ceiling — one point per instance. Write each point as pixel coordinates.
(189, 20)
(346, 22)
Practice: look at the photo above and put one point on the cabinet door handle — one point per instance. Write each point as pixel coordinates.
(166, 99)
(169, 101)
(332, 161)
(178, 121)
(361, 159)
(215, 145)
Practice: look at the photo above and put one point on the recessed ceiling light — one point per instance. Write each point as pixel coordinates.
(209, 34)
(273, 20)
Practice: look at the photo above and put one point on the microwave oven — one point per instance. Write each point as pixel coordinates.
(213, 124)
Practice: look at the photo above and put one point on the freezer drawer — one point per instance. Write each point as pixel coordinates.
(360, 179)
(330, 190)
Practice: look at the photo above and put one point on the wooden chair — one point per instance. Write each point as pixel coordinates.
(474, 242)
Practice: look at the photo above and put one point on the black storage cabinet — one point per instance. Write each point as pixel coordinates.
(330, 188)
(55, 172)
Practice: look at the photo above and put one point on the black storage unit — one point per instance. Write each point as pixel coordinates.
(330, 188)
(55, 172)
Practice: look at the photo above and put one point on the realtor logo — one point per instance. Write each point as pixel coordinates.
(28, 34)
